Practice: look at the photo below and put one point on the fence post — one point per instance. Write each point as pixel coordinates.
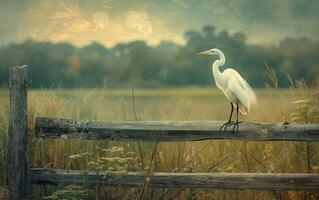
(17, 153)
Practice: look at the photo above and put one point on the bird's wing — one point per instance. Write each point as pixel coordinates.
(240, 88)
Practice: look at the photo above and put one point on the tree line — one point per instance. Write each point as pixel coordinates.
(137, 64)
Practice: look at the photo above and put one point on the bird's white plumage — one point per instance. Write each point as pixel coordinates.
(239, 90)
(235, 87)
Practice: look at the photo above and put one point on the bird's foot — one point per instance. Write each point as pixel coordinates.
(224, 126)
(236, 125)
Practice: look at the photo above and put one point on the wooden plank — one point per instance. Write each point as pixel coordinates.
(170, 130)
(17, 153)
(272, 181)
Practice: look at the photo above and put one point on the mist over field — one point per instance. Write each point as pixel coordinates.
(137, 64)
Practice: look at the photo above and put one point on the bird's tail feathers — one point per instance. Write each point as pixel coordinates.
(253, 99)
(242, 109)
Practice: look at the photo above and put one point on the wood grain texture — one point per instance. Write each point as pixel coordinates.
(272, 181)
(170, 130)
(17, 153)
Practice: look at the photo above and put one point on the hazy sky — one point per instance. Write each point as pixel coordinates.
(113, 21)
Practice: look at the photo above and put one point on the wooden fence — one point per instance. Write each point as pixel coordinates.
(20, 176)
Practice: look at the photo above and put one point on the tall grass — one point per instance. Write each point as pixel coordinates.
(274, 105)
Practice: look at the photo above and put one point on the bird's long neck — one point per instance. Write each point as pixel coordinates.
(216, 64)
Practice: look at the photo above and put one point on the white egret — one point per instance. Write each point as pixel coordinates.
(235, 88)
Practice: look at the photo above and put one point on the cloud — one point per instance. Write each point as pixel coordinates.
(113, 21)
(60, 37)
(79, 25)
(66, 13)
(139, 21)
(100, 20)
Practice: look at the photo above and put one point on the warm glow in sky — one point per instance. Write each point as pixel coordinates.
(112, 21)
(70, 24)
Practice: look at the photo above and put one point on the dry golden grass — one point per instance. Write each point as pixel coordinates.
(274, 105)
(4, 194)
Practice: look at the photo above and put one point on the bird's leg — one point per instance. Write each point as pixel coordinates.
(229, 122)
(236, 124)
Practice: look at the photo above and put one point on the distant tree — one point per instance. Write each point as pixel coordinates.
(140, 65)
(209, 31)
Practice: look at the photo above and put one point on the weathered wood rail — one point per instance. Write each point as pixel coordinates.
(19, 175)
(243, 181)
(170, 131)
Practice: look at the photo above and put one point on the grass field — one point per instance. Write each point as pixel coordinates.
(274, 105)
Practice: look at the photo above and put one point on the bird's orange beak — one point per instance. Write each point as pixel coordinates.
(203, 53)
